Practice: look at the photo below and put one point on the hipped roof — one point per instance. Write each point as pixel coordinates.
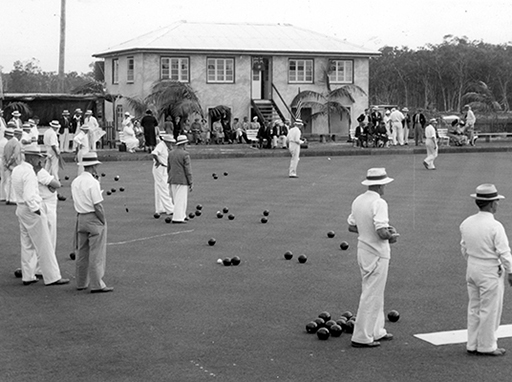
(238, 38)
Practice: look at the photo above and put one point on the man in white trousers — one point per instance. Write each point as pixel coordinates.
(485, 247)
(47, 186)
(294, 142)
(431, 144)
(81, 144)
(180, 179)
(36, 245)
(163, 201)
(51, 143)
(369, 218)
(396, 118)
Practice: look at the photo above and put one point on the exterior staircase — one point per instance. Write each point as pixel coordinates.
(266, 110)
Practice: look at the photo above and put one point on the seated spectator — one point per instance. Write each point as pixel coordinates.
(380, 135)
(196, 128)
(218, 132)
(457, 134)
(129, 138)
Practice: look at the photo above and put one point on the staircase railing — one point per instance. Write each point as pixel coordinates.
(257, 111)
(283, 101)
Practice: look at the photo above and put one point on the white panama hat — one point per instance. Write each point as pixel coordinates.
(488, 192)
(376, 176)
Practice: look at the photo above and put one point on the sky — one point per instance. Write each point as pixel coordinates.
(31, 28)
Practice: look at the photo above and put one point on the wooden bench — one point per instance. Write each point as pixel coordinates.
(252, 136)
(488, 136)
(444, 139)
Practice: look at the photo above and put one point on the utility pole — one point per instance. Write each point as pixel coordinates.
(62, 46)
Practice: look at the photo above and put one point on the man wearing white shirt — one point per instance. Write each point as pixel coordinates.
(294, 142)
(163, 201)
(396, 119)
(431, 145)
(470, 124)
(91, 227)
(35, 239)
(12, 158)
(484, 244)
(51, 142)
(369, 219)
(95, 132)
(82, 147)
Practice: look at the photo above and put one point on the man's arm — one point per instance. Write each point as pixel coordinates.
(100, 212)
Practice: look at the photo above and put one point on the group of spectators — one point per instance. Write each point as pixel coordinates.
(396, 127)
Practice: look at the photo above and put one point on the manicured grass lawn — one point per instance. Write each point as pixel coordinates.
(177, 315)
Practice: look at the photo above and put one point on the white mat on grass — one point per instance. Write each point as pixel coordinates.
(458, 336)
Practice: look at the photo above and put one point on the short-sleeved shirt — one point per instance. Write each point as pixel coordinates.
(369, 214)
(24, 183)
(86, 193)
(50, 139)
(162, 152)
(44, 178)
(430, 132)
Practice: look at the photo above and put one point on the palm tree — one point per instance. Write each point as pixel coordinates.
(168, 98)
(480, 97)
(326, 104)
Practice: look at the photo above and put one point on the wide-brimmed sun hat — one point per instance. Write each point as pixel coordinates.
(65, 112)
(488, 192)
(432, 120)
(26, 126)
(32, 149)
(376, 176)
(55, 124)
(298, 122)
(16, 113)
(167, 138)
(89, 159)
(9, 132)
(182, 139)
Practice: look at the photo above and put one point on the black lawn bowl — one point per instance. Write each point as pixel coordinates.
(226, 262)
(331, 234)
(199, 207)
(156, 216)
(288, 255)
(344, 245)
(335, 330)
(312, 327)
(393, 316)
(72, 256)
(326, 316)
(323, 334)
(302, 259)
(198, 213)
(235, 261)
(168, 219)
(18, 274)
(264, 220)
(212, 242)
(266, 213)
(231, 217)
(191, 215)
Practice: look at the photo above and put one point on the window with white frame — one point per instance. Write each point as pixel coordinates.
(115, 71)
(221, 70)
(174, 68)
(300, 71)
(341, 71)
(130, 64)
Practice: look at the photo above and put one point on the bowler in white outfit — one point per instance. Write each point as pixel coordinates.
(369, 218)
(35, 239)
(294, 142)
(485, 246)
(431, 144)
(163, 201)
